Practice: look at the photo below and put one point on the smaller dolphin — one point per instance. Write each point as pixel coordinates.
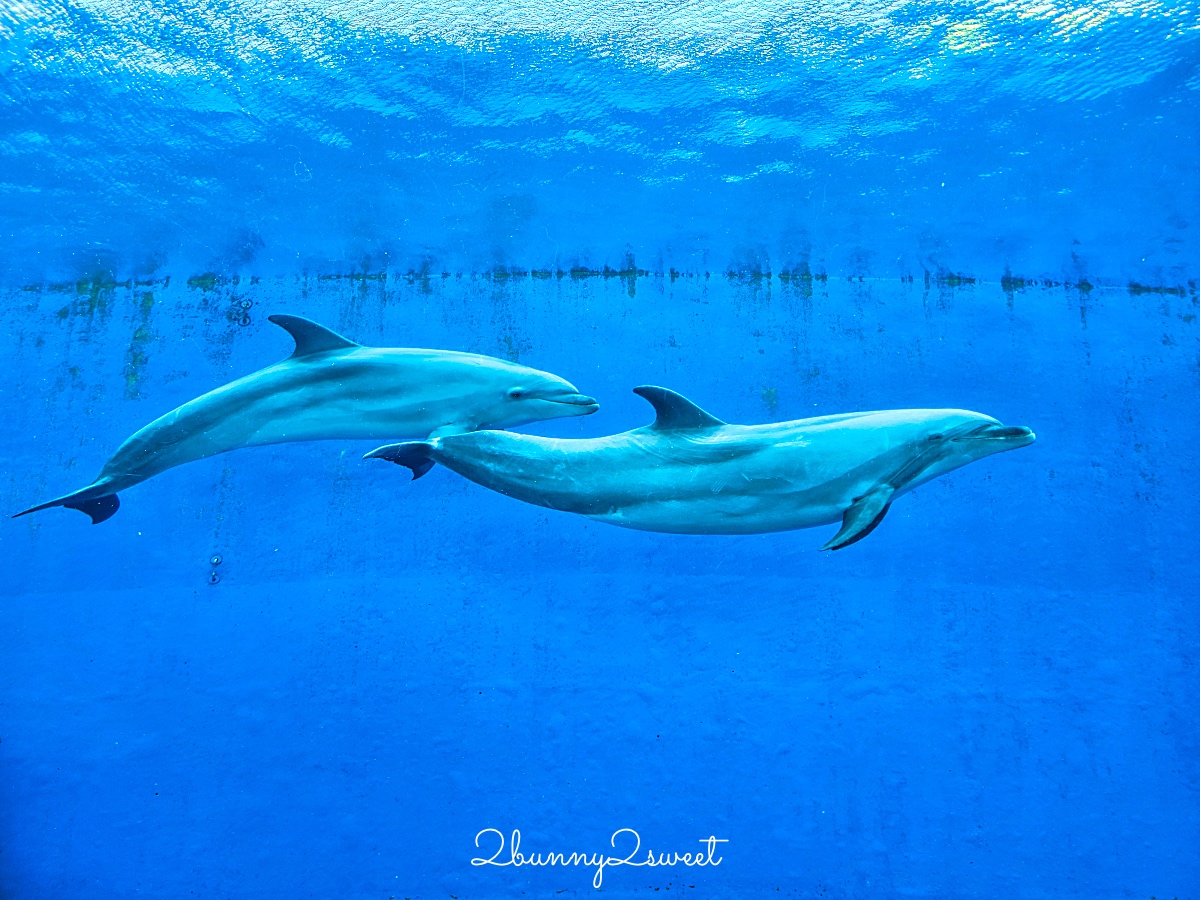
(690, 473)
(331, 388)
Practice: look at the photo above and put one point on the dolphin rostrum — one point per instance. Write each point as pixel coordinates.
(332, 388)
(690, 473)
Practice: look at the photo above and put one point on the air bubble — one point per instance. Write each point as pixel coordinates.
(214, 578)
(216, 560)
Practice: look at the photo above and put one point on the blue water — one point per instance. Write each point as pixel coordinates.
(779, 211)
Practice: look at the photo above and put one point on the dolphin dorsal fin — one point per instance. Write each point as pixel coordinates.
(310, 337)
(675, 412)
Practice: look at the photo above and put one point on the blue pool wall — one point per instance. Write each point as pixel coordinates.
(991, 695)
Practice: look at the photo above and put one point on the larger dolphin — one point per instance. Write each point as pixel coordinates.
(332, 388)
(691, 473)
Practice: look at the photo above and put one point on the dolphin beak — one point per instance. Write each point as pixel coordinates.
(589, 404)
(1012, 435)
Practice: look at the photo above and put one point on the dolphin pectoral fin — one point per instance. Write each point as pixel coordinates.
(99, 508)
(413, 454)
(863, 516)
(675, 412)
(310, 337)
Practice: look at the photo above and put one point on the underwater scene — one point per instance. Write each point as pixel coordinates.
(526, 449)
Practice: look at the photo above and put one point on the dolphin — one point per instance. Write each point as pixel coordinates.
(331, 388)
(691, 473)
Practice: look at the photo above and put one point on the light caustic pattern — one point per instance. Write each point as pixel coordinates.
(885, 137)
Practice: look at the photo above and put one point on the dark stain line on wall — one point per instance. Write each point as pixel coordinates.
(94, 293)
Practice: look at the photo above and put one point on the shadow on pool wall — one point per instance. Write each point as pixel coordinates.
(382, 668)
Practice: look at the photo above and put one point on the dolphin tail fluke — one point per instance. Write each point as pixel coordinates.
(863, 516)
(99, 508)
(413, 454)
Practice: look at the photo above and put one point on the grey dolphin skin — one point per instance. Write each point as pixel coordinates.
(690, 473)
(332, 388)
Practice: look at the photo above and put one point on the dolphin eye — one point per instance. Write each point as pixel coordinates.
(516, 393)
(934, 437)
